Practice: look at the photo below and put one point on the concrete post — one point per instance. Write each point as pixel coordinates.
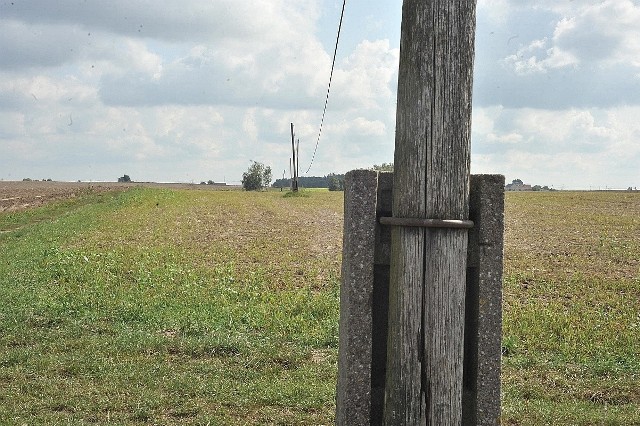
(364, 300)
(353, 396)
(483, 320)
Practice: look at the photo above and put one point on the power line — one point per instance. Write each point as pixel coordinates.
(326, 101)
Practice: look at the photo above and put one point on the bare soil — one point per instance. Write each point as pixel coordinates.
(21, 195)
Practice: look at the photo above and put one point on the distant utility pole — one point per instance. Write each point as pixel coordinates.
(297, 159)
(294, 181)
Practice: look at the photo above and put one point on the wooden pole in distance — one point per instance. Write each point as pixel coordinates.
(291, 173)
(431, 181)
(294, 186)
(297, 160)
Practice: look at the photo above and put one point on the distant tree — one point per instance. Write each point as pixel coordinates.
(203, 183)
(124, 178)
(210, 182)
(384, 167)
(26, 180)
(536, 188)
(257, 177)
(517, 182)
(266, 177)
(336, 183)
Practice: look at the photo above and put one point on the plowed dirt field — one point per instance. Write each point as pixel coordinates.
(20, 195)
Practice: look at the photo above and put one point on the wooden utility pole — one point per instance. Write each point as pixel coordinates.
(432, 156)
(294, 183)
(291, 172)
(298, 158)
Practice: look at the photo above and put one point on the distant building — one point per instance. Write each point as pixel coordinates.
(518, 185)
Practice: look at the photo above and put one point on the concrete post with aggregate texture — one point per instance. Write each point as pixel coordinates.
(353, 402)
(483, 305)
(364, 300)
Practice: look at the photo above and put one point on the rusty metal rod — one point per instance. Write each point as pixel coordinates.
(426, 223)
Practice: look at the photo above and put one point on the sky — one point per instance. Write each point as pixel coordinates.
(195, 90)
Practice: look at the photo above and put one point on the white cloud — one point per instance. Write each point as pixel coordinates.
(546, 146)
(174, 20)
(526, 60)
(368, 75)
(600, 34)
(193, 90)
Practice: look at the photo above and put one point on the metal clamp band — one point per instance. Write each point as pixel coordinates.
(426, 223)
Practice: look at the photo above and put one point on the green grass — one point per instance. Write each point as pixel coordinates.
(571, 309)
(169, 307)
(157, 306)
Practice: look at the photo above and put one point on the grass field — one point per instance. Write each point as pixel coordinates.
(572, 309)
(171, 306)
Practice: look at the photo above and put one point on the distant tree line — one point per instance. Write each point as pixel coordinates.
(384, 167)
(541, 188)
(311, 181)
(332, 181)
(336, 183)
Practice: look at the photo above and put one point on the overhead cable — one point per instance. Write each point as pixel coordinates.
(326, 101)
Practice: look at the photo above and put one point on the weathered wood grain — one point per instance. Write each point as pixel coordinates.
(431, 181)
